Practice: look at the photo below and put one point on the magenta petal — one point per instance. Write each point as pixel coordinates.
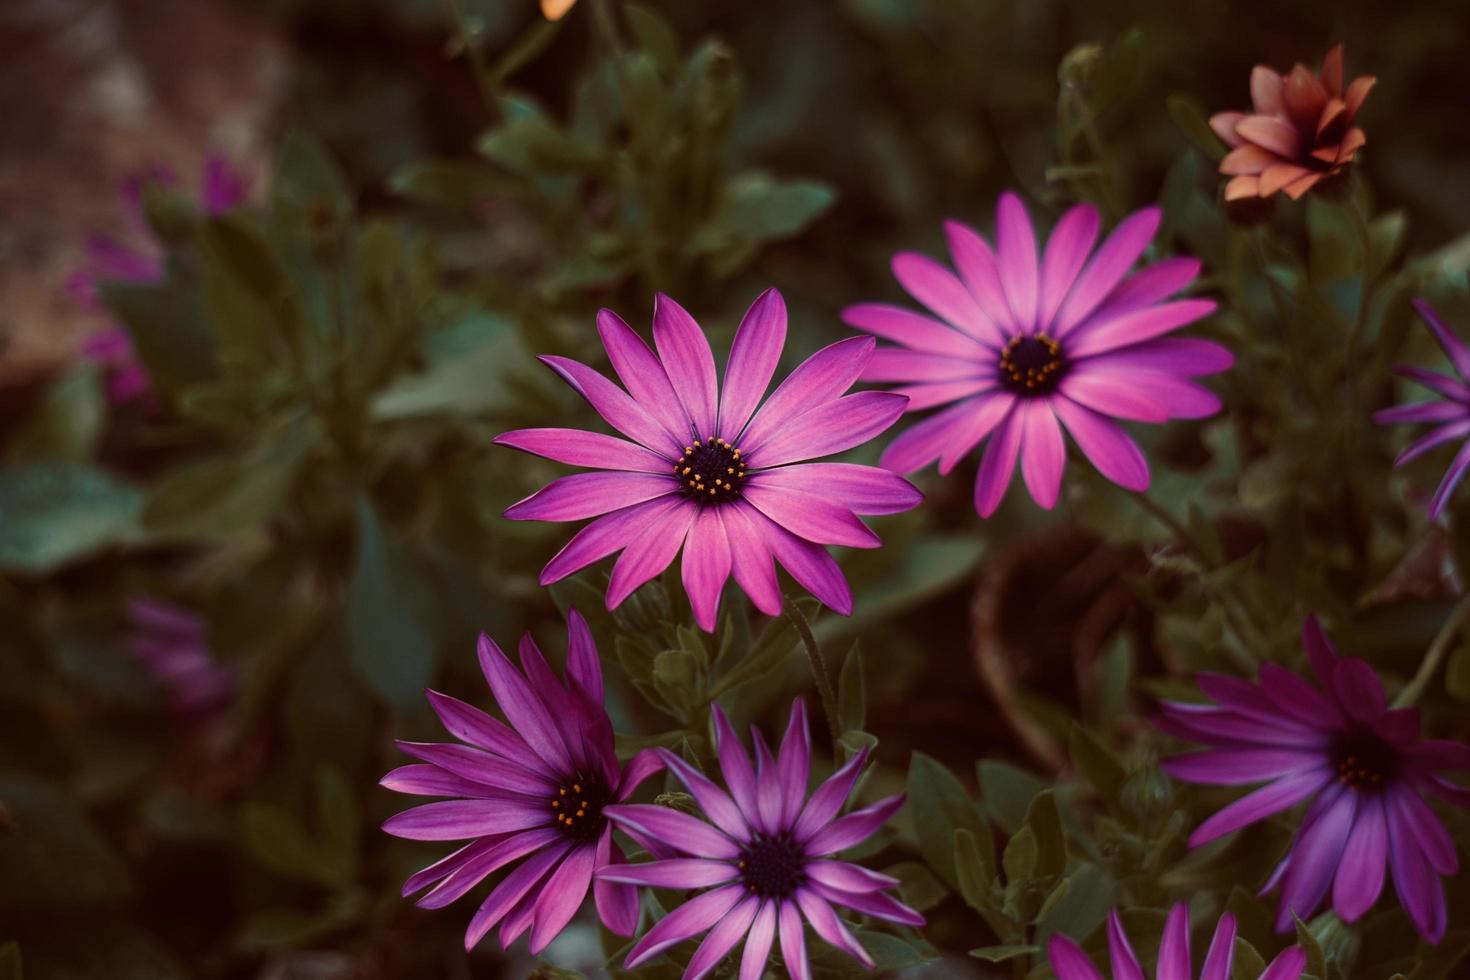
(793, 763)
(1319, 649)
(562, 896)
(1452, 478)
(1415, 412)
(1043, 453)
(1185, 356)
(1228, 767)
(469, 724)
(735, 765)
(750, 560)
(225, 188)
(753, 358)
(987, 412)
(793, 942)
(610, 533)
(1442, 384)
(825, 923)
(721, 939)
(861, 489)
(835, 427)
(429, 780)
(1106, 269)
(1120, 951)
(1454, 348)
(451, 863)
(915, 331)
(1068, 961)
(593, 450)
(854, 828)
(997, 465)
(1102, 334)
(1122, 395)
(1432, 439)
(615, 405)
(649, 554)
(1015, 242)
(758, 940)
(642, 374)
(1174, 961)
(938, 289)
(1067, 249)
(464, 819)
(1359, 691)
(817, 380)
(1270, 799)
(812, 517)
(680, 873)
(482, 862)
(1289, 964)
(829, 798)
(1418, 888)
(896, 364)
(512, 888)
(769, 801)
(583, 495)
(1360, 876)
(849, 877)
(806, 562)
(926, 396)
(1316, 856)
(926, 441)
(523, 708)
(638, 769)
(1107, 446)
(688, 361)
(583, 666)
(689, 919)
(688, 834)
(715, 802)
(617, 904)
(1419, 823)
(1222, 951)
(976, 263)
(706, 566)
(480, 767)
(1151, 285)
(875, 904)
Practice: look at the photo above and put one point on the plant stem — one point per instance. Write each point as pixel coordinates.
(819, 667)
(1414, 690)
(484, 79)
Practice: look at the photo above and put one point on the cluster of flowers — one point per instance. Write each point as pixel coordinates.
(1017, 343)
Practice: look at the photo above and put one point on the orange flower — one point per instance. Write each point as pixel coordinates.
(1300, 133)
(556, 9)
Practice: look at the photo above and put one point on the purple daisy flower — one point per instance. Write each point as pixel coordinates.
(1023, 346)
(712, 470)
(1070, 963)
(1363, 765)
(172, 645)
(140, 261)
(534, 792)
(1449, 414)
(766, 857)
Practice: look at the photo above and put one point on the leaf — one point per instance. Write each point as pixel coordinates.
(852, 692)
(254, 308)
(456, 185)
(1006, 793)
(1387, 234)
(56, 513)
(1090, 894)
(391, 616)
(939, 806)
(888, 951)
(275, 839)
(654, 35)
(308, 182)
(757, 207)
(1457, 672)
(773, 648)
(67, 421)
(468, 383)
(974, 870)
(167, 325)
(1189, 116)
(1002, 954)
(1248, 963)
(1045, 822)
(1316, 963)
(223, 496)
(914, 574)
(1019, 858)
(918, 886)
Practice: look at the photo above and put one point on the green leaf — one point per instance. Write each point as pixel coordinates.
(1079, 909)
(888, 951)
(53, 514)
(852, 692)
(654, 35)
(1249, 965)
(1019, 859)
(254, 308)
(1316, 963)
(914, 574)
(223, 496)
(1003, 954)
(1457, 672)
(308, 182)
(918, 886)
(1387, 234)
(974, 870)
(939, 806)
(392, 622)
(1189, 116)
(67, 421)
(776, 645)
(1006, 793)
(757, 207)
(1045, 822)
(168, 328)
(456, 185)
(465, 383)
(275, 839)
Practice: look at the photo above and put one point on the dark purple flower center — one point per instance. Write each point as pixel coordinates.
(772, 867)
(577, 807)
(1364, 760)
(1032, 365)
(710, 471)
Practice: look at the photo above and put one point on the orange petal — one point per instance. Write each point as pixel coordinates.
(1242, 187)
(1335, 108)
(1297, 188)
(1247, 159)
(1328, 153)
(1357, 92)
(1273, 133)
(1278, 175)
(1266, 91)
(1223, 123)
(1332, 71)
(1304, 96)
(556, 9)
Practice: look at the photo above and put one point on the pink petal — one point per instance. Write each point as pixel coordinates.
(590, 449)
(688, 361)
(650, 554)
(583, 495)
(642, 374)
(1070, 243)
(811, 516)
(997, 464)
(1107, 446)
(610, 533)
(938, 289)
(1016, 245)
(817, 380)
(615, 406)
(1107, 268)
(706, 566)
(751, 561)
(914, 330)
(1043, 454)
(754, 355)
(830, 428)
(977, 267)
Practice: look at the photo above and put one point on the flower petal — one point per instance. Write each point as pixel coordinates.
(793, 942)
(854, 828)
(751, 561)
(721, 939)
(593, 450)
(1015, 241)
(1068, 961)
(914, 331)
(810, 516)
(758, 942)
(1360, 873)
(1120, 951)
(1109, 448)
(617, 904)
(806, 562)
(1452, 478)
(642, 374)
(1270, 799)
(1418, 888)
(977, 267)
(834, 427)
(754, 355)
(1454, 347)
(649, 554)
(583, 495)
(1043, 454)
(997, 465)
(679, 830)
(861, 489)
(617, 408)
(676, 873)
(829, 798)
(1222, 950)
(1106, 269)
(1109, 333)
(1174, 947)
(512, 888)
(523, 709)
(688, 361)
(689, 919)
(706, 566)
(941, 291)
(610, 533)
(715, 802)
(819, 379)
(1067, 249)
(562, 896)
(1316, 856)
(827, 925)
(735, 765)
(794, 763)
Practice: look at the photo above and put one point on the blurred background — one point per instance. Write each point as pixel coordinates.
(301, 518)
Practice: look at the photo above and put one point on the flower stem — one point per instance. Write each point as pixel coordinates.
(819, 667)
(1414, 690)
